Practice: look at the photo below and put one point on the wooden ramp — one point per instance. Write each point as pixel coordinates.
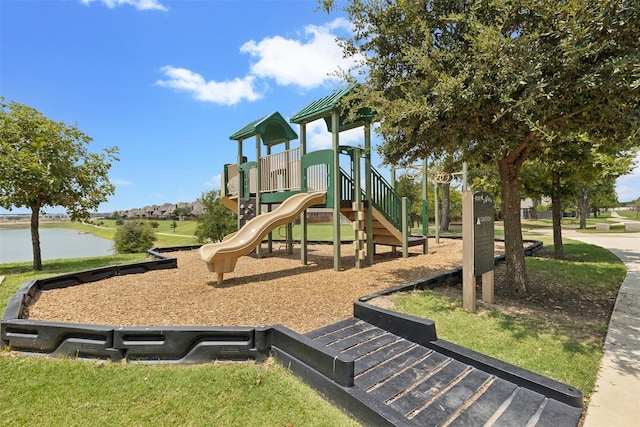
(435, 383)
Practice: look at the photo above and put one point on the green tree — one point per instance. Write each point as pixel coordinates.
(44, 163)
(181, 212)
(216, 221)
(134, 237)
(497, 82)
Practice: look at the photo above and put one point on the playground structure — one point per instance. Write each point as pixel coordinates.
(221, 257)
(255, 188)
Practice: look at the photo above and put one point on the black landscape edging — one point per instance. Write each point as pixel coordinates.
(58, 338)
(414, 329)
(325, 369)
(185, 344)
(330, 363)
(446, 278)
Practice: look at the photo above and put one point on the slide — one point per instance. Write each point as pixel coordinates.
(221, 257)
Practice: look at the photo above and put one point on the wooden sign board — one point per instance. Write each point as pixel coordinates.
(477, 247)
(483, 233)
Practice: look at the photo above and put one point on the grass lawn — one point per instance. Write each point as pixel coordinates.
(557, 331)
(48, 392)
(183, 233)
(630, 214)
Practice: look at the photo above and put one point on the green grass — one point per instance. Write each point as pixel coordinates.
(537, 335)
(630, 214)
(18, 273)
(46, 392)
(38, 391)
(42, 391)
(531, 343)
(167, 237)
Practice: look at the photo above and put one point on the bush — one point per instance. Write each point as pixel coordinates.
(119, 221)
(134, 237)
(154, 224)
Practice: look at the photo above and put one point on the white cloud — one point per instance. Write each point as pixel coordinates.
(214, 182)
(138, 4)
(225, 93)
(319, 138)
(305, 62)
(117, 181)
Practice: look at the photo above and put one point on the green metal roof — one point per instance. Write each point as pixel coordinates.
(273, 129)
(322, 108)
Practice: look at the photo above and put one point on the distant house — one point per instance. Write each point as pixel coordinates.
(164, 211)
(197, 208)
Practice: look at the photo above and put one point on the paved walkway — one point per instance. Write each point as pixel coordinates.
(616, 399)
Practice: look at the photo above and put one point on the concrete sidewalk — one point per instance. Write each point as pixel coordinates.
(616, 399)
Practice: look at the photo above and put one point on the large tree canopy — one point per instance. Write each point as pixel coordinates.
(44, 163)
(498, 82)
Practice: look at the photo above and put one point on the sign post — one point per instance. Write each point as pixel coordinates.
(478, 242)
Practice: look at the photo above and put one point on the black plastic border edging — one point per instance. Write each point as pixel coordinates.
(450, 277)
(411, 328)
(54, 337)
(328, 362)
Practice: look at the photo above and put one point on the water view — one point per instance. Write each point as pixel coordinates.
(55, 243)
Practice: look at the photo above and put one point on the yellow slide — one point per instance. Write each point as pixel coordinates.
(221, 257)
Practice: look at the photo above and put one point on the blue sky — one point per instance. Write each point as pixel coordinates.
(168, 81)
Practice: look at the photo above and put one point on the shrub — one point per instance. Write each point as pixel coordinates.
(134, 237)
(119, 221)
(154, 224)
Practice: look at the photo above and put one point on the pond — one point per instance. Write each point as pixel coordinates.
(55, 243)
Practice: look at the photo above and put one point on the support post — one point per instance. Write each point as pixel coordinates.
(287, 183)
(436, 209)
(465, 185)
(368, 190)
(270, 235)
(303, 216)
(405, 228)
(487, 287)
(468, 277)
(335, 123)
(393, 176)
(240, 181)
(258, 189)
(425, 207)
(357, 205)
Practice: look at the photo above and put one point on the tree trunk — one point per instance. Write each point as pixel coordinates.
(584, 207)
(556, 210)
(446, 207)
(35, 238)
(516, 271)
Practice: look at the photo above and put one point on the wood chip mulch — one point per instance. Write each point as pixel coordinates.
(276, 289)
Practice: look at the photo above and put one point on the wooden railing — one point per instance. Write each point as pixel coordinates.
(280, 171)
(383, 197)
